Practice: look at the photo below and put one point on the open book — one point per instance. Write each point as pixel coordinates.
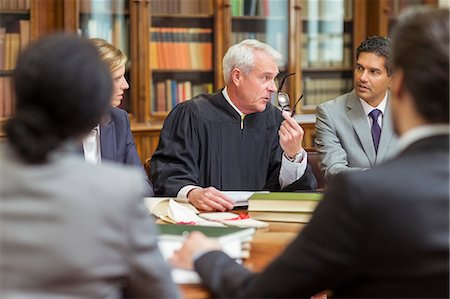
(172, 211)
(234, 242)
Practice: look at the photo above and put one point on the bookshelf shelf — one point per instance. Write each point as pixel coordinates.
(163, 71)
(329, 69)
(183, 16)
(259, 18)
(15, 11)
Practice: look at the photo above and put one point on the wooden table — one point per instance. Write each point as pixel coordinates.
(266, 245)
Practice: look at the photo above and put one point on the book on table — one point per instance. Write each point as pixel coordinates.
(297, 217)
(176, 212)
(305, 202)
(234, 242)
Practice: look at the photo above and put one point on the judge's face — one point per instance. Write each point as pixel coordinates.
(371, 78)
(120, 85)
(254, 89)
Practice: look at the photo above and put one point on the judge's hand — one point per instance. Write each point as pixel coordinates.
(195, 243)
(210, 199)
(291, 135)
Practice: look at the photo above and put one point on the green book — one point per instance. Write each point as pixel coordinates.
(305, 202)
(179, 231)
(317, 196)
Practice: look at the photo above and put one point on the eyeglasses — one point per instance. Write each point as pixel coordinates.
(283, 98)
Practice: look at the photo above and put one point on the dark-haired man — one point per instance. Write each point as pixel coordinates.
(354, 131)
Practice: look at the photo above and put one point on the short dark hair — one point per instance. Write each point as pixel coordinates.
(380, 46)
(62, 89)
(420, 48)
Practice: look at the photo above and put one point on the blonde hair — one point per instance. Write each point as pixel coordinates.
(110, 54)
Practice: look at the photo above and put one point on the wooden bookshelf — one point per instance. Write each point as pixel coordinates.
(21, 21)
(294, 27)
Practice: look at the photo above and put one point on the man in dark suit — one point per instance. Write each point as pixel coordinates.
(380, 233)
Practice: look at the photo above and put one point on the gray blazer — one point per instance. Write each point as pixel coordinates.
(343, 137)
(70, 229)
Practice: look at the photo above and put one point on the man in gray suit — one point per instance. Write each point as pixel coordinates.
(347, 137)
(70, 229)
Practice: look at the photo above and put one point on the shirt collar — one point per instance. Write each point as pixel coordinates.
(382, 106)
(227, 97)
(421, 132)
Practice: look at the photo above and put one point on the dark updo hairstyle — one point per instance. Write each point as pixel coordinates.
(62, 90)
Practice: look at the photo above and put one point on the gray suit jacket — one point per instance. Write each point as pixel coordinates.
(70, 229)
(343, 137)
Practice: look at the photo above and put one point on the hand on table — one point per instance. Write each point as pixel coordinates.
(210, 199)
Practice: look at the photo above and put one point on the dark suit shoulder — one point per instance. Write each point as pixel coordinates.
(117, 113)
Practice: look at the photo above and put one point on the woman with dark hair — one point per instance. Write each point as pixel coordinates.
(68, 228)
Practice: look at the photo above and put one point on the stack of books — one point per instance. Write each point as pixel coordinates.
(235, 242)
(283, 206)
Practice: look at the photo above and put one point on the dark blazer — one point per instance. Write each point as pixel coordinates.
(383, 232)
(117, 142)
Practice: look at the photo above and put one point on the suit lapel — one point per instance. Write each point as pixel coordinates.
(358, 119)
(387, 132)
(108, 140)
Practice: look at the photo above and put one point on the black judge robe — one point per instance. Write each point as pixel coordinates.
(202, 144)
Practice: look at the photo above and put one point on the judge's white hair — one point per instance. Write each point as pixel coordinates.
(242, 56)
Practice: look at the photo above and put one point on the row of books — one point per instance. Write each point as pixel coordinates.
(327, 9)
(278, 40)
(318, 50)
(15, 4)
(273, 8)
(181, 48)
(296, 207)
(327, 50)
(114, 29)
(310, 9)
(11, 43)
(184, 7)
(96, 6)
(320, 90)
(6, 97)
(169, 93)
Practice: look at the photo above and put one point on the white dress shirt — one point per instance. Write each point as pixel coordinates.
(91, 146)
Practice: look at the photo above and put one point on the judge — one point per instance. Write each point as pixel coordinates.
(234, 139)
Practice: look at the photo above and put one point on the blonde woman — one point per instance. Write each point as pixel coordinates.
(112, 139)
